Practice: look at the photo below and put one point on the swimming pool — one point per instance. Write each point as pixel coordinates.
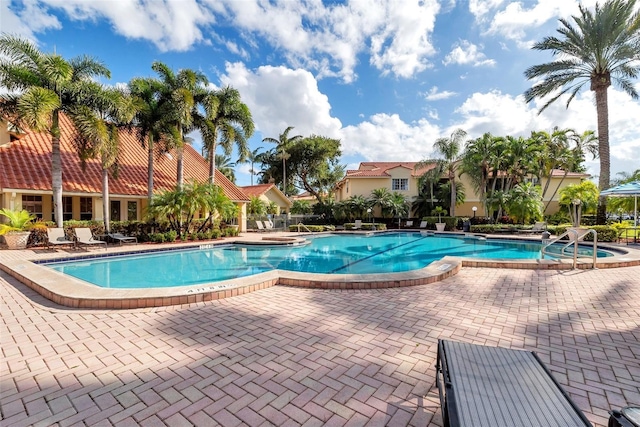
(330, 254)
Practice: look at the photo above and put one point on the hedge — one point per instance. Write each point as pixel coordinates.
(450, 222)
(606, 233)
(366, 226)
(311, 228)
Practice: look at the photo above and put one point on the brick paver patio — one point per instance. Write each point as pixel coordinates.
(289, 356)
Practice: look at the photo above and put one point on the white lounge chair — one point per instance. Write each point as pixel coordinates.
(85, 237)
(358, 224)
(260, 226)
(423, 224)
(56, 237)
(408, 224)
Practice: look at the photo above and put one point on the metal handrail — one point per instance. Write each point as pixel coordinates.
(305, 227)
(573, 240)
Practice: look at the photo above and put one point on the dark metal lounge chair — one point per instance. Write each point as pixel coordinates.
(494, 387)
(121, 238)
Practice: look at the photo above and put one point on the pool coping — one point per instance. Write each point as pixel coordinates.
(71, 292)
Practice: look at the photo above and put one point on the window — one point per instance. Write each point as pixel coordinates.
(399, 184)
(67, 209)
(132, 211)
(86, 208)
(32, 204)
(114, 210)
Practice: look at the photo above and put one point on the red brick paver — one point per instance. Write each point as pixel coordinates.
(291, 356)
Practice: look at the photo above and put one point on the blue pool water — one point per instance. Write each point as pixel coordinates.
(333, 254)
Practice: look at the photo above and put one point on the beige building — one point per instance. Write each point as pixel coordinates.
(269, 193)
(25, 177)
(402, 177)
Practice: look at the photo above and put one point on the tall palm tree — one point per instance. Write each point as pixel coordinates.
(98, 124)
(380, 197)
(477, 163)
(253, 157)
(41, 87)
(225, 166)
(151, 124)
(227, 122)
(283, 143)
(181, 95)
(555, 154)
(449, 149)
(602, 48)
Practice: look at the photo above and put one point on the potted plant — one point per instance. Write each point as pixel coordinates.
(439, 210)
(16, 232)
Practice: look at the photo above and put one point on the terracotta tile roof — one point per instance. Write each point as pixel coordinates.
(256, 190)
(380, 169)
(560, 173)
(25, 164)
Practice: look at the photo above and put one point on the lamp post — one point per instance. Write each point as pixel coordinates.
(369, 214)
(474, 209)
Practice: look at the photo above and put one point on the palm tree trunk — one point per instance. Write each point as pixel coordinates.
(452, 182)
(602, 110)
(150, 170)
(212, 165)
(180, 166)
(56, 170)
(566, 172)
(106, 213)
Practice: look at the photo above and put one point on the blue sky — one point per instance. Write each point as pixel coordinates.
(387, 78)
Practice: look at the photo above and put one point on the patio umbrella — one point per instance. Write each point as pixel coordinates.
(626, 190)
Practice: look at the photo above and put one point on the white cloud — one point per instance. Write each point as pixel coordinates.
(515, 19)
(504, 114)
(465, 52)
(279, 97)
(387, 137)
(26, 20)
(435, 95)
(325, 39)
(480, 8)
(170, 25)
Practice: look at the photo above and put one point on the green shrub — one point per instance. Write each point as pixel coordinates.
(606, 233)
(170, 236)
(493, 228)
(450, 222)
(311, 228)
(216, 233)
(157, 237)
(202, 236)
(366, 226)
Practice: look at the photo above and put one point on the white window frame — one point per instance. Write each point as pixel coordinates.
(397, 184)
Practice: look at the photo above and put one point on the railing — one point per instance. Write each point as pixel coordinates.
(304, 226)
(574, 237)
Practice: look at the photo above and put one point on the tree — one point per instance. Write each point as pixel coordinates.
(151, 125)
(41, 87)
(225, 166)
(256, 206)
(602, 48)
(586, 193)
(180, 95)
(357, 206)
(98, 123)
(283, 143)
(253, 157)
(398, 205)
(478, 160)
(380, 197)
(227, 122)
(524, 202)
(301, 207)
(449, 149)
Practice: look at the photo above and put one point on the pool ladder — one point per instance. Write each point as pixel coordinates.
(303, 226)
(575, 236)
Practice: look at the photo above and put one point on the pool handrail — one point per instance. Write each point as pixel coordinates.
(574, 238)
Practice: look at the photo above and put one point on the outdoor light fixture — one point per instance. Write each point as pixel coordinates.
(474, 209)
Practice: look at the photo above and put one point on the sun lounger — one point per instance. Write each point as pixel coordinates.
(260, 226)
(121, 238)
(358, 224)
(423, 224)
(56, 237)
(408, 224)
(538, 227)
(499, 387)
(85, 237)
